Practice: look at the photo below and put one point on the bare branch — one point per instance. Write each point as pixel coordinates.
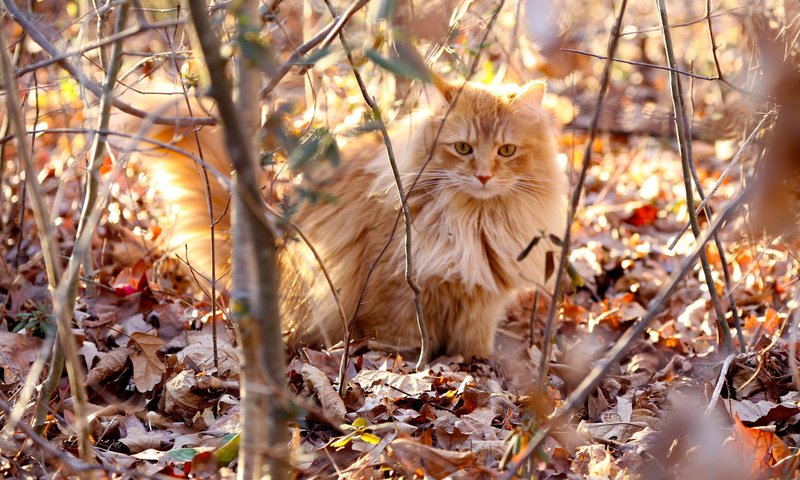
(639, 64)
(97, 90)
(133, 31)
(720, 76)
(685, 150)
(324, 36)
(555, 303)
(409, 268)
(255, 275)
(51, 255)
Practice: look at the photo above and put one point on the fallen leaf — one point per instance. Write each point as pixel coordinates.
(113, 362)
(427, 461)
(332, 404)
(762, 448)
(410, 384)
(642, 216)
(147, 367)
(17, 353)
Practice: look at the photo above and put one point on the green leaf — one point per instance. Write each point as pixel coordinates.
(574, 276)
(229, 450)
(182, 454)
(386, 9)
(313, 57)
(256, 52)
(360, 422)
(320, 144)
(397, 66)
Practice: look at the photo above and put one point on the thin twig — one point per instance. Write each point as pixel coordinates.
(212, 219)
(723, 259)
(100, 141)
(684, 148)
(793, 364)
(50, 252)
(589, 384)
(714, 47)
(723, 372)
(97, 90)
(131, 32)
(89, 205)
(424, 353)
(639, 64)
(681, 24)
(533, 316)
(31, 380)
(64, 458)
(555, 302)
(722, 177)
(472, 70)
(324, 36)
(4, 127)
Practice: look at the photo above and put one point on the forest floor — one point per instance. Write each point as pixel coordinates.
(158, 400)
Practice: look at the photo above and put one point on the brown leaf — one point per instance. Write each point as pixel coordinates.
(17, 353)
(411, 384)
(179, 399)
(763, 412)
(200, 351)
(762, 448)
(137, 438)
(332, 404)
(110, 364)
(147, 367)
(427, 461)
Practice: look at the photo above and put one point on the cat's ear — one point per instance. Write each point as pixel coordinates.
(531, 93)
(447, 89)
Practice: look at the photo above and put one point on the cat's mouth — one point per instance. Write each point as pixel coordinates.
(490, 189)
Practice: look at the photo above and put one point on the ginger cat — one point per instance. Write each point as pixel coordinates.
(492, 184)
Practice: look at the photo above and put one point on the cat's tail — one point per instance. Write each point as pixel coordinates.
(172, 158)
(189, 170)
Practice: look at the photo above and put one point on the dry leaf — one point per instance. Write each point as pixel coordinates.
(112, 363)
(332, 404)
(17, 353)
(147, 367)
(762, 448)
(423, 460)
(410, 384)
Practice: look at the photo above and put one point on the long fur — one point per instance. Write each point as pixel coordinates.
(466, 236)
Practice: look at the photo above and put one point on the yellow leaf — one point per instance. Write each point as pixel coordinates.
(342, 442)
(370, 438)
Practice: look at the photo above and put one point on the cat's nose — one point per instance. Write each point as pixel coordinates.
(483, 178)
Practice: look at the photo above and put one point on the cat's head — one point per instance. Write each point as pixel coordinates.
(496, 141)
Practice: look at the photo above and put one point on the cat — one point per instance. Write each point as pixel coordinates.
(491, 185)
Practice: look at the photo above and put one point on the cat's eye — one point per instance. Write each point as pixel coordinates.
(463, 148)
(507, 150)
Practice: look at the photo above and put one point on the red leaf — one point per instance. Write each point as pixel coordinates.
(131, 279)
(642, 216)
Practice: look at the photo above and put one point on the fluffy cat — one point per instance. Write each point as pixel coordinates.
(491, 185)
